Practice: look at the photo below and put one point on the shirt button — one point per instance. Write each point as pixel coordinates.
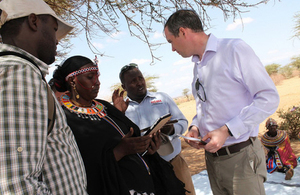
(19, 149)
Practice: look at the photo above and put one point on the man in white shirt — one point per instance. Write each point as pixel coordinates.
(145, 107)
(233, 94)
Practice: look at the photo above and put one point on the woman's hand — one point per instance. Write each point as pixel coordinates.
(155, 143)
(119, 102)
(131, 145)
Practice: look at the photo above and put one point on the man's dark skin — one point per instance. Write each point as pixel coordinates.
(37, 36)
(135, 85)
(272, 130)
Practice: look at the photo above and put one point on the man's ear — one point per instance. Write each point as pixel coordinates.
(32, 22)
(182, 31)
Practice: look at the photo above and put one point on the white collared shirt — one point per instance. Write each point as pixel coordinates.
(239, 91)
(153, 106)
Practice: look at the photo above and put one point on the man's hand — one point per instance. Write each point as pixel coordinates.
(168, 129)
(194, 132)
(217, 139)
(131, 145)
(118, 101)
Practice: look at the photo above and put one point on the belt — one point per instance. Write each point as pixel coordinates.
(233, 148)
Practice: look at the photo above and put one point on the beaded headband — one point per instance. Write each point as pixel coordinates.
(81, 71)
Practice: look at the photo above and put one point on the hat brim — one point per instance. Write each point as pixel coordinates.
(63, 28)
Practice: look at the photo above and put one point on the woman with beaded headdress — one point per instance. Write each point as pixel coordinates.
(280, 155)
(110, 143)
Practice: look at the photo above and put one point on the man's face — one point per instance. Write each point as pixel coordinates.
(179, 44)
(135, 85)
(47, 42)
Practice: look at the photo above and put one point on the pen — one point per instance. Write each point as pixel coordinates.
(144, 152)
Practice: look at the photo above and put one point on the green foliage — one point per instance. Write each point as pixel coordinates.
(291, 121)
(297, 25)
(185, 92)
(295, 62)
(272, 68)
(150, 82)
(286, 71)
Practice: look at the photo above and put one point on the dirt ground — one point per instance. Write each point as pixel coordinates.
(289, 96)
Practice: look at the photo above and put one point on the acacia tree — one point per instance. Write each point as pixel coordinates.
(272, 68)
(185, 92)
(295, 62)
(92, 16)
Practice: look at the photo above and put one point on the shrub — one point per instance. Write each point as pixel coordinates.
(277, 78)
(286, 71)
(272, 68)
(291, 121)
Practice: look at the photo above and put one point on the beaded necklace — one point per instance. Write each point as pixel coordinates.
(95, 112)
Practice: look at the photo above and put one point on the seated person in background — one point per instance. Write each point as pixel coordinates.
(110, 144)
(144, 108)
(280, 155)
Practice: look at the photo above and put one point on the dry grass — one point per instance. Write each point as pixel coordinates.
(289, 96)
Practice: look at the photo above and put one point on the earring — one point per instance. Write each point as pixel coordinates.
(74, 87)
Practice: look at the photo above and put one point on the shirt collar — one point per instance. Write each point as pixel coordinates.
(43, 66)
(211, 45)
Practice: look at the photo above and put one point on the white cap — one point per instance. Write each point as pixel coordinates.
(13, 9)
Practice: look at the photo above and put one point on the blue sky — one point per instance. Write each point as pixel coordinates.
(268, 29)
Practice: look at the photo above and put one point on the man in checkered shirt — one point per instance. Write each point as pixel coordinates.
(31, 160)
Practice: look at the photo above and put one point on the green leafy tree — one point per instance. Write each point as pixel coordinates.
(98, 18)
(297, 25)
(185, 92)
(272, 68)
(295, 62)
(286, 71)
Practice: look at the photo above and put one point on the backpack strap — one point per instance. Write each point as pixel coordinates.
(50, 98)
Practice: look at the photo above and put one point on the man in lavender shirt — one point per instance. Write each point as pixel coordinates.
(233, 94)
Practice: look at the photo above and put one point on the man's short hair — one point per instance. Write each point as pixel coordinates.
(186, 19)
(126, 68)
(12, 28)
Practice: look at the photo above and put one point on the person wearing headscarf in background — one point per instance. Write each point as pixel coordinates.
(110, 144)
(280, 155)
